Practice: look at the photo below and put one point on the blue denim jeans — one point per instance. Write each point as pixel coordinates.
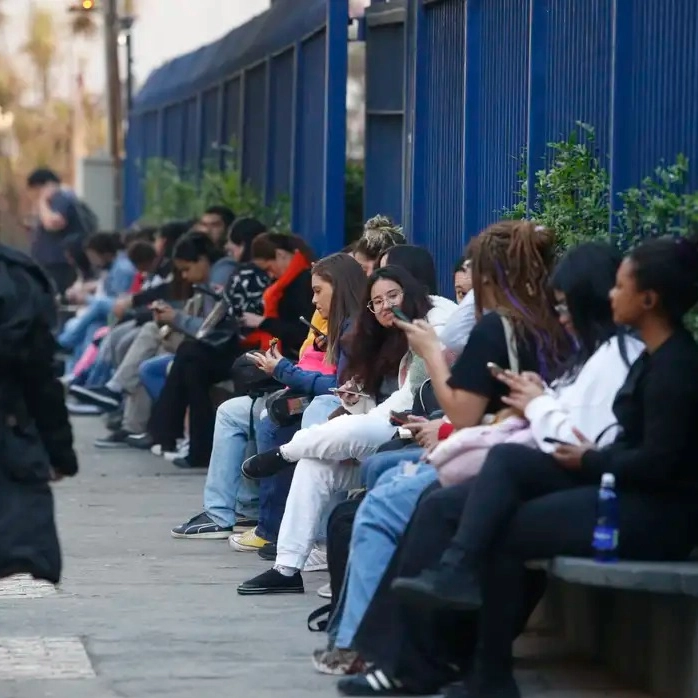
(273, 491)
(378, 527)
(227, 491)
(374, 466)
(153, 374)
(78, 331)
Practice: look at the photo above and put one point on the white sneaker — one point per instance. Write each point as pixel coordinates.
(156, 450)
(316, 562)
(325, 591)
(181, 452)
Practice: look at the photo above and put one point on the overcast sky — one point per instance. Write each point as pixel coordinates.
(165, 29)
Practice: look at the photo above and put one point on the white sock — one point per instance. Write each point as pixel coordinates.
(286, 571)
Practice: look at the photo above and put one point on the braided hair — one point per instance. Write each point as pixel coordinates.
(514, 259)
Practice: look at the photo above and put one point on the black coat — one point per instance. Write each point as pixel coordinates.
(36, 439)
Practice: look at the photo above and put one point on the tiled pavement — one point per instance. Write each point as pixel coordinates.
(139, 614)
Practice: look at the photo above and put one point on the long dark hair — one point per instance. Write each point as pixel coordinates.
(515, 259)
(264, 246)
(586, 275)
(348, 287)
(376, 351)
(242, 232)
(417, 261)
(171, 232)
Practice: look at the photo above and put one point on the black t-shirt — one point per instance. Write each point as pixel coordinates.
(487, 343)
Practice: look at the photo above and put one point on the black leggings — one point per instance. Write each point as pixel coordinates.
(196, 368)
(521, 507)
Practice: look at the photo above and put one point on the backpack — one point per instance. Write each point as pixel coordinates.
(87, 218)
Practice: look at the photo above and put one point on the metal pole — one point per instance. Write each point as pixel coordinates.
(113, 92)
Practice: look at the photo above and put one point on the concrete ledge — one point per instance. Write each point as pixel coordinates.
(639, 618)
(655, 577)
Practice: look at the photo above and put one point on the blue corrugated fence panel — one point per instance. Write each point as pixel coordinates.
(132, 178)
(501, 120)
(280, 156)
(210, 123)
(383, 179)
(438, 223)
(174, 136)
(662, 106)
(191, 140)
(309, 166)
(255, 127)
(385, 55)
(578, 69)
(385, 103)
(232, 96)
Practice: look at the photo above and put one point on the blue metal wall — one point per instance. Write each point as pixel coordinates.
(385, 105)
(270, 98)
(490, 80)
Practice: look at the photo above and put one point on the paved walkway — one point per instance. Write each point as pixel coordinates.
(140, 614)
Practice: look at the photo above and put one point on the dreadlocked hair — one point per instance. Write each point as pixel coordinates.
(380, 234)
(515, 259)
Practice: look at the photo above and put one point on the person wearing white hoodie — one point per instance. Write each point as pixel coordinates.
(384, 385)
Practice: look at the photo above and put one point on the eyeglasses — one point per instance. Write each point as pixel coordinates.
(390, 300)
(562, 309)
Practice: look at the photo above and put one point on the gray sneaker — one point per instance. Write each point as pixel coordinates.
(337, 662)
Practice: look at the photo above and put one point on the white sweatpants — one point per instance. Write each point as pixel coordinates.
(314, 483)
(349, 436)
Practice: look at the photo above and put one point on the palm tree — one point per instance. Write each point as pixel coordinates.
(41, 47)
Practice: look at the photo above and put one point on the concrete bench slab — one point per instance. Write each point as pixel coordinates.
(672, 578)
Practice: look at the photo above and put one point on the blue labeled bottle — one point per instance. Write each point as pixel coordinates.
(605, 541)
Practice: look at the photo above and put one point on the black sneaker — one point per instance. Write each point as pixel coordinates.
(102, 397)
(268, 552)
(202, 527)
(117, 439)
(265, 465)
(272, 582)
(443, 587)
(143, 442)
(185, 463)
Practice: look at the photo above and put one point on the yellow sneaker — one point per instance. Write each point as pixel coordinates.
(248, 542)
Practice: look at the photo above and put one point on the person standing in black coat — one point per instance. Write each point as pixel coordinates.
(36, 439)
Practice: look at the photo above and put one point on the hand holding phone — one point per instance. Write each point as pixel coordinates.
(312, 328)
(495, 369)
(557, 442)
(399, 314)
(398, 419)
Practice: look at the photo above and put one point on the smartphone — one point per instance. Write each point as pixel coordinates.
(495, 369)
(335, 391)
(557, 442)
(397, 419)
(399, 314)
(312, 327)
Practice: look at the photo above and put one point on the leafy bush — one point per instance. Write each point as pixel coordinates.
(170, 194)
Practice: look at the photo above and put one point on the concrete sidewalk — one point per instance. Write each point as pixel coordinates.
(140, 614)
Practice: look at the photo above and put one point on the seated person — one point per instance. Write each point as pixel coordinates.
(105, 252)
(337, 284)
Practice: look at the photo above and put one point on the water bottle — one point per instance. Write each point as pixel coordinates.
(605, 541)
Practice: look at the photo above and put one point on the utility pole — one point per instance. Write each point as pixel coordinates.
(113, 93)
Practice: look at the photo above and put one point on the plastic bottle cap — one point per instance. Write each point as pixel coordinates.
(608, 480)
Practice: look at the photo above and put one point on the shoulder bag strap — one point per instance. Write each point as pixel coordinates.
(512, 348)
